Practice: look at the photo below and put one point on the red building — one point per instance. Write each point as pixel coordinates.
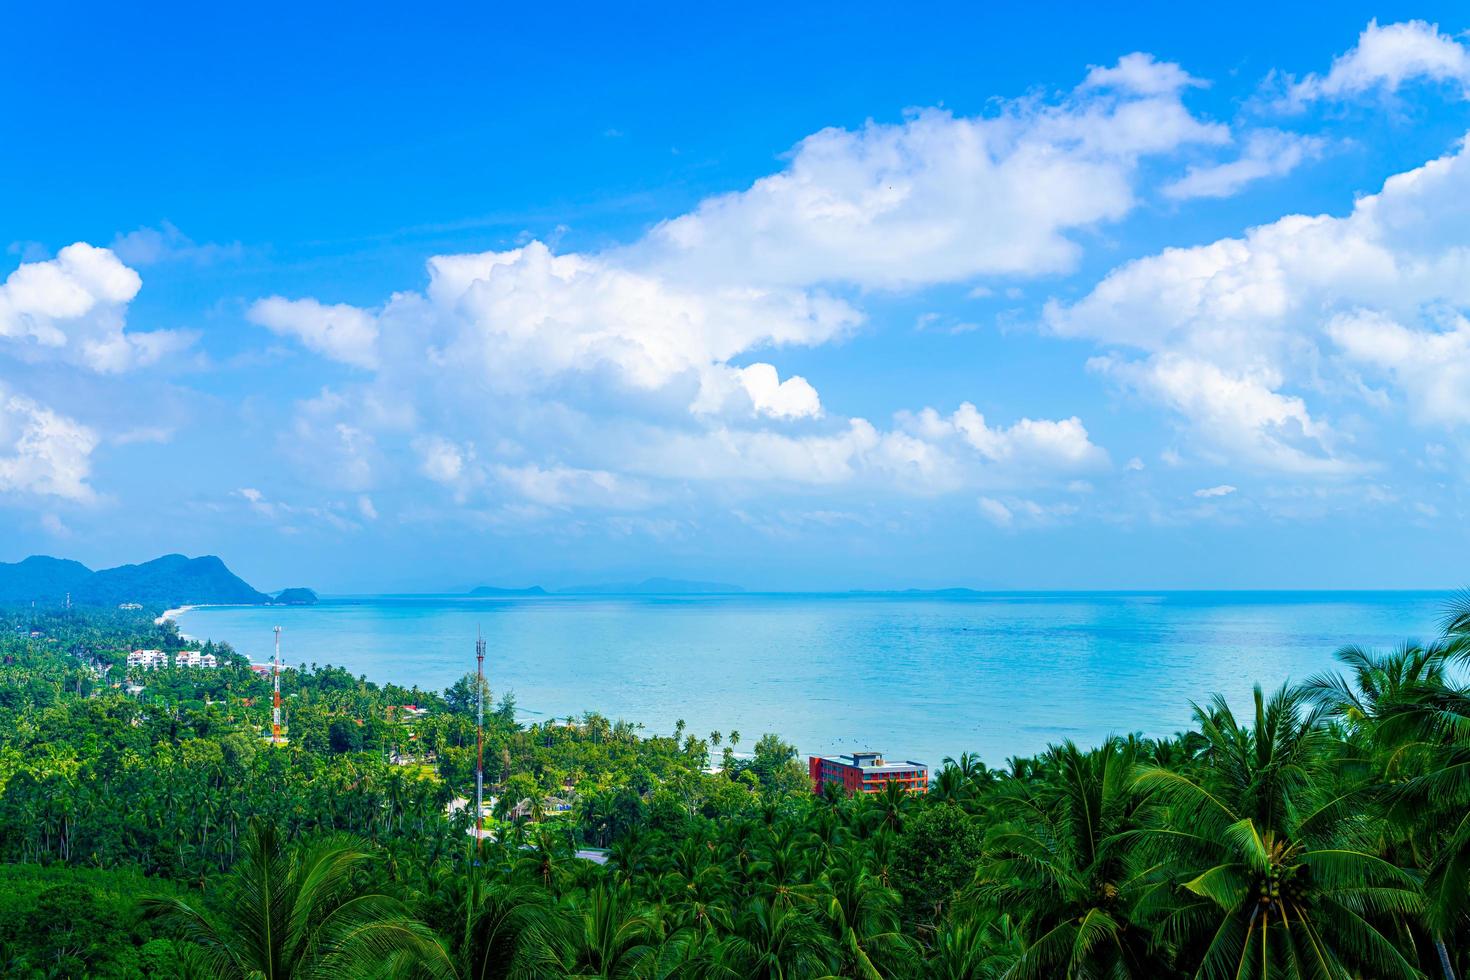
(866, 772)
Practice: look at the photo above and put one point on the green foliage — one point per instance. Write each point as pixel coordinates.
(1322, 833)
(66, 921)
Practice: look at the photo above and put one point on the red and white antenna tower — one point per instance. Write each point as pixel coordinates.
(479, 738)
(276, 693)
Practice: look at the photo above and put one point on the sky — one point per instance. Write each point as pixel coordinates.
(840, 296)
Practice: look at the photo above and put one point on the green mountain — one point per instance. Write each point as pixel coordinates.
(42, 578)
(173, 580)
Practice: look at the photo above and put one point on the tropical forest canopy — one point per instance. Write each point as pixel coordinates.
(149, 828)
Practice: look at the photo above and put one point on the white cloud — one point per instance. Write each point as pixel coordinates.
(365, 508)
(524, 318)
(996, 512)
(1385, 58)
(73, 308)
(55, 526)
(524, 370)
(1061, 445)
(443, 461)
(1267, 153)
(1431, 366)
(1227, 327)
(1141, 73)
(940, 198)
(1237, 414)
(793, 398)
(42, 453)
(289, 518)
(1223, 490)
(343, 333)
(1020, 512)
(566, 487)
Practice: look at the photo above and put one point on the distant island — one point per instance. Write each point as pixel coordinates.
(491, 590)
(172, 580)
(295, 597)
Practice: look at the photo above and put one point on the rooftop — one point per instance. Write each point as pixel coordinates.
(872, 762)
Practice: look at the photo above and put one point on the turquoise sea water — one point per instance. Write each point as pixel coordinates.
(917, 677)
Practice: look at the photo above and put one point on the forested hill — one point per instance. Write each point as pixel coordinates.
(172, 580)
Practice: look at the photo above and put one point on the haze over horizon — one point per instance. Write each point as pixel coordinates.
(1164, 300)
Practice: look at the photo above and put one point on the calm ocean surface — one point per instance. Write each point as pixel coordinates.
(917, 677)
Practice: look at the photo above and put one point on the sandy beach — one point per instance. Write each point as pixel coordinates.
(172, 614)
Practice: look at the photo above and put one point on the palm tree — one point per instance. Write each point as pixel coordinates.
(1267, 868)
(1057, 860)
(776, 941)
(1404, 705)
(297, 913)
(608, 938)
(864, 919)
(507, 930)
(547, 858)
(977, 947)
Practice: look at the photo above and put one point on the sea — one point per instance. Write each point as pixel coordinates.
(913, 676)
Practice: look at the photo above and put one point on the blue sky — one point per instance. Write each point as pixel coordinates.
(843, 297)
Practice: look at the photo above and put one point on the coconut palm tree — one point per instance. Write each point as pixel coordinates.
(976, 947)
(1406, 708)
(776, 941)
(1058, 861)
(507, 926)
(1267, 866)
(297, 913)
(864, 918)
(608, 937)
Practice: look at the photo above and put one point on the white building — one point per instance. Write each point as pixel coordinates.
(147, 659)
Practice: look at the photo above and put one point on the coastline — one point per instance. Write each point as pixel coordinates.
(172, 614)
(913, 677)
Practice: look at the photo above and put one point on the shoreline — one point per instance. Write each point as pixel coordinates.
(172, 614)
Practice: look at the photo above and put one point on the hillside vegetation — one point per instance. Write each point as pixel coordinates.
(1321, 830)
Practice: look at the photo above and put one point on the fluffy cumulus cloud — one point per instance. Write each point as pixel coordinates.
(341, 332)
(940, 198)
(1311, 303)
(1387, 57)
(43, 454)
(598, 378)
(1430, 364)
(73, 309)
(1057, 446)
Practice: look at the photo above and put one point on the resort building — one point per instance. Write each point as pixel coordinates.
(193, 658)
(867, 772)
(147, 659)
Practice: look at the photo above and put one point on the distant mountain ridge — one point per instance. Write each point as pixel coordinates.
(172, 580)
